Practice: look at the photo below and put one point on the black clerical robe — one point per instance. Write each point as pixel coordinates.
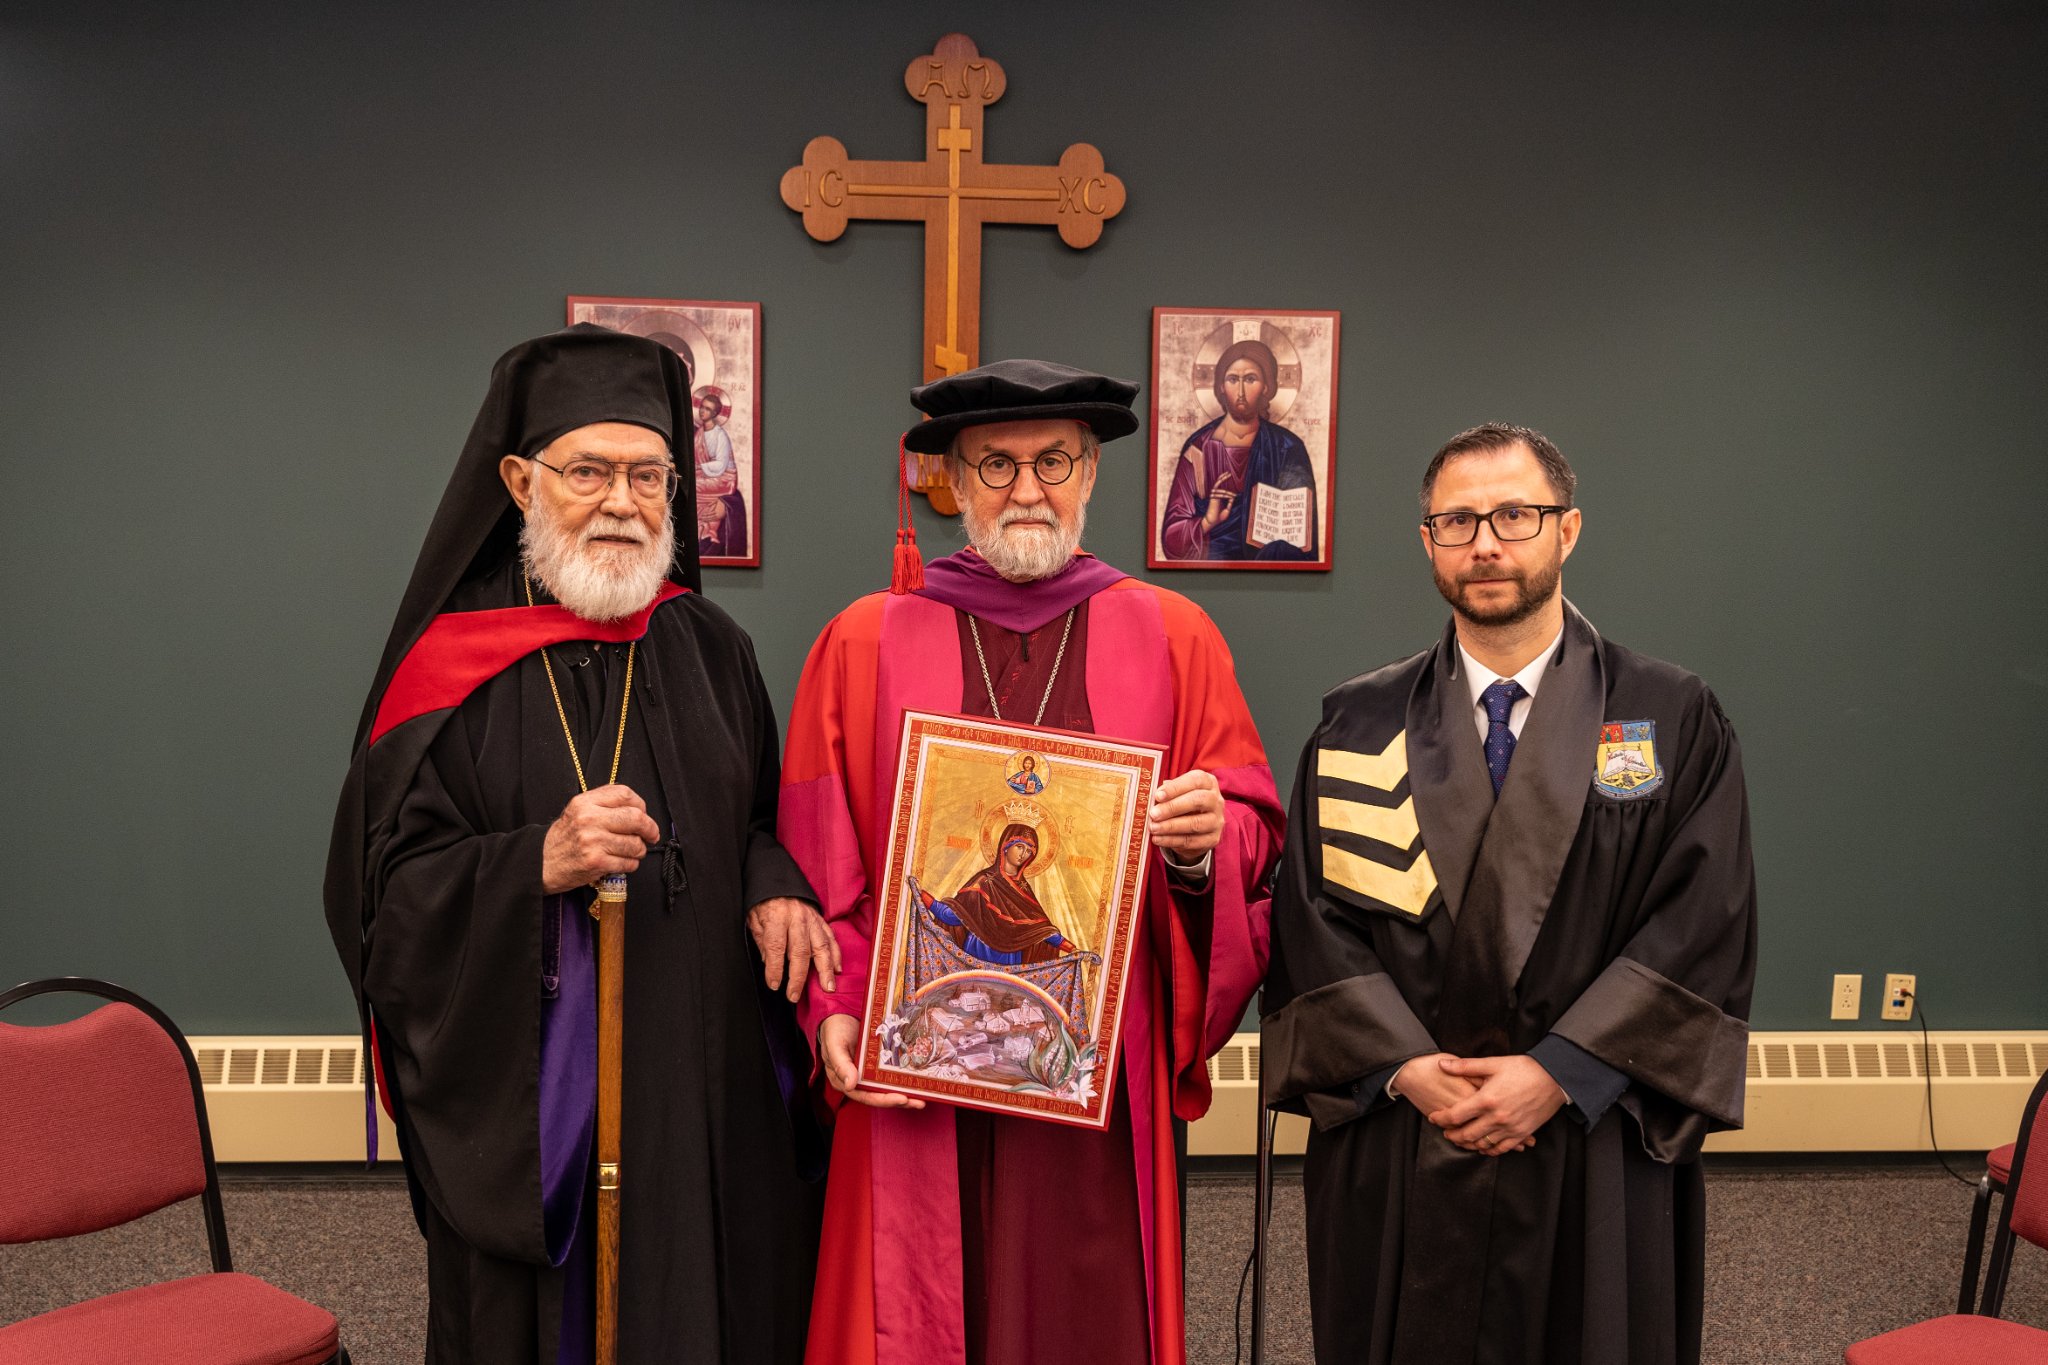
(460, 962)
(1601, 910)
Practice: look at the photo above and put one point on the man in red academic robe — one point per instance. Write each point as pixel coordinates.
(941, 1245)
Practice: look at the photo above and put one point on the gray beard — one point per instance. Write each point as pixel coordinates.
(1031, 556)
(597, 583)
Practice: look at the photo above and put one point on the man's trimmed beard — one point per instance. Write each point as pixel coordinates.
(596, 582)
(1032, 555)
(1532, 590)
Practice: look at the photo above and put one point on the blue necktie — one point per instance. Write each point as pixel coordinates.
(1499, 700)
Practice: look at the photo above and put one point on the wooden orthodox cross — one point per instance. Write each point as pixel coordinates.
(954, 192)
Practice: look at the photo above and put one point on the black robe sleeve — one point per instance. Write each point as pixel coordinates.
(453, 980)
(1332, 1014)
(1670, 1011)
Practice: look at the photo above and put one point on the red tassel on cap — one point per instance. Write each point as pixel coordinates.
(908, 573)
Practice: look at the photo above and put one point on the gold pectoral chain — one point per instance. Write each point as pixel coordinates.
(562, 713)
(974, 629)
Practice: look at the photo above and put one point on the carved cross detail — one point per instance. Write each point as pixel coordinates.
(953, 191)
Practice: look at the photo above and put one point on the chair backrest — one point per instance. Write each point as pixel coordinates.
(2026, 1196)
(98, 1123)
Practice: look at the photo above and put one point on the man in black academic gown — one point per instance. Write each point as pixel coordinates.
(556, 703)
(1513, 939)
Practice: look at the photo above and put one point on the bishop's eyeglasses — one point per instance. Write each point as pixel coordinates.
(1520, 522)
(650, 480)
(1000, 471)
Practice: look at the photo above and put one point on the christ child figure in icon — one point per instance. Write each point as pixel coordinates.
(721, 509)
(1026, 780)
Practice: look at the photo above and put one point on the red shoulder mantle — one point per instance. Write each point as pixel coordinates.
(460, 651)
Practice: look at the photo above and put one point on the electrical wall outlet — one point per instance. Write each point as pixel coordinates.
(1898, 995)
(1847, 1001)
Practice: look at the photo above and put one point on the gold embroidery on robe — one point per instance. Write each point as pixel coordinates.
(1394, 825)
(1407, 890)
(1383, 770)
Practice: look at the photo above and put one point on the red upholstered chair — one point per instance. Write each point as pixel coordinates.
(104, 1121)
(1966, 1338)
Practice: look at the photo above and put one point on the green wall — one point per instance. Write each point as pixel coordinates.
(1772, 275)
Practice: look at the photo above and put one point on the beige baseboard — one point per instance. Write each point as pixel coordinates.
(301, 1099)
(288, 1098)
(1863, 1091)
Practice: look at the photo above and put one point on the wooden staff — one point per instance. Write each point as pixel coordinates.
(610, 909)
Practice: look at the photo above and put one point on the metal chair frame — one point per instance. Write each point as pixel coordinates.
(1262, 1213)
(1973, 1248)
(2002, 1244)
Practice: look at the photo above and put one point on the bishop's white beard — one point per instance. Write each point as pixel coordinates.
(1029, 555)
(597, 582)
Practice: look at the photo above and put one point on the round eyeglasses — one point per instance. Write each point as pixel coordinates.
(650, 480)
(1524, 522)
(1000, 471)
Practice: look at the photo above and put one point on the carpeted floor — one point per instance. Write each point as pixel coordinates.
(1799, 1263)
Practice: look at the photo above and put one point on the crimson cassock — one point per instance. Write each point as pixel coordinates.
(1600, 915)
(479, 990)
(954, 1236)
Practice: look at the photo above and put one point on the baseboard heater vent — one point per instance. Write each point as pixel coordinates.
(287, 1099)
(1807, 1092)
(1990, 1057)
(301, 1098)
(293, 1063)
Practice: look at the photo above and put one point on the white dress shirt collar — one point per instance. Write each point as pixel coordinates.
(1478, 677)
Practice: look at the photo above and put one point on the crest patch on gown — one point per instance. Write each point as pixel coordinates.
(1625, 765)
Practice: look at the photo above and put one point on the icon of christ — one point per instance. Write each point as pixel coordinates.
(996, 916)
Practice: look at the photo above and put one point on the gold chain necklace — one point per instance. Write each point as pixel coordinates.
(974, 629)
(619, 744)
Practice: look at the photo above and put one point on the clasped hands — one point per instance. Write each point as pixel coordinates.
(607, 830)
(1488, 1105)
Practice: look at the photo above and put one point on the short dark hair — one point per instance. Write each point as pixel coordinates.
(1490, 436)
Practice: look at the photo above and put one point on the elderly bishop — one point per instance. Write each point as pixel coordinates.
(555, 705)
(951, 1235)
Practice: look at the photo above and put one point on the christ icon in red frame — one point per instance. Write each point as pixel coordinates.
(1244, 430)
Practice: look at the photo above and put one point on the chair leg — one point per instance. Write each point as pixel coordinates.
(1995, 1276)
(1973, 1249)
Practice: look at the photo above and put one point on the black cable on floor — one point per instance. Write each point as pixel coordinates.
(1927, 1074)
(1237, 1316)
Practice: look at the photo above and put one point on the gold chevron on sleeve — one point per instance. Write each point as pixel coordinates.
(1389, 825)
(1407, 891)
(1383, 770)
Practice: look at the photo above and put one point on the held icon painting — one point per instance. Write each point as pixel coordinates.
(1244, 431)
(720, 345)
(1017, 858)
